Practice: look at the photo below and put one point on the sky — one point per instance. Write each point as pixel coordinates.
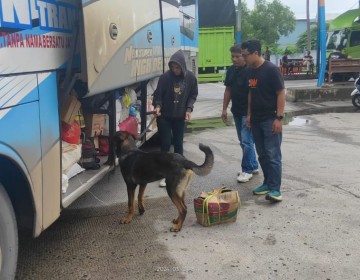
(299, 6)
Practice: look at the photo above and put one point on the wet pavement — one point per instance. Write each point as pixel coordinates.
(312, 234)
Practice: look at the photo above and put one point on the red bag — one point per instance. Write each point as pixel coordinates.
(130, 125)
(70, 133)
(104, 146)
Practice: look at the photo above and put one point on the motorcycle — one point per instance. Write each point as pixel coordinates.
(355, 95)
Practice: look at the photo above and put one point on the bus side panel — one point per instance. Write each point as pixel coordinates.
(171, 27)
(50, 143)
(34, 39)
(189, 26)
(123, 43)
(16, 90)
(20, 132)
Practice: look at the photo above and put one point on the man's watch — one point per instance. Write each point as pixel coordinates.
(280, 118)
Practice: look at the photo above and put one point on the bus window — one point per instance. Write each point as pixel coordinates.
(355, 38)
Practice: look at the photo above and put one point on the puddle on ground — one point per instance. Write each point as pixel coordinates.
(204, 124)
(291, 118)
(298, 122)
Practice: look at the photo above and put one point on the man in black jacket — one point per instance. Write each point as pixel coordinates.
(174, 100)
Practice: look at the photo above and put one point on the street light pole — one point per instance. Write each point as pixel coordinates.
(322, 41)
(238, 23)
(308, 25)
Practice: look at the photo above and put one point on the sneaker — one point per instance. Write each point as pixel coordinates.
(162, 183)
(255, 171)
(244, 177)
(274, 196)
(263, 189)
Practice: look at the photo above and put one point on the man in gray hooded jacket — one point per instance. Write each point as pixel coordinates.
(174, 100)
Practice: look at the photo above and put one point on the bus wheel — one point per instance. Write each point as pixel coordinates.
(8, 237)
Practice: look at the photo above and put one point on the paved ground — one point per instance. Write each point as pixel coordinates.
(312, 234)
(209, 102)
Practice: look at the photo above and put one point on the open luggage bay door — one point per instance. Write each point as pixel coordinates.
(123, 42)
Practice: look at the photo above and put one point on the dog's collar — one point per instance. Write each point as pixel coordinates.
(127, 153)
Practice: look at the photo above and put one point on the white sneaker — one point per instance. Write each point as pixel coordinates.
(244, 177)
(255, 171)
(162, 183)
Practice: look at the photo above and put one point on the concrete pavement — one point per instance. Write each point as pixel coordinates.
(209, 103)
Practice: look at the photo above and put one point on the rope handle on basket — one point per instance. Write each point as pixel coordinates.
(206, 203)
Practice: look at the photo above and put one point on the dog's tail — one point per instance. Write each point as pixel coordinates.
(205, 168)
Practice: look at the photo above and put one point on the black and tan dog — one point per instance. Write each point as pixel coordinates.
(139, 168)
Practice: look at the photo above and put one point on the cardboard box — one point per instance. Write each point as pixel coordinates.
(217, 207)
(70, 109)
(94, 125)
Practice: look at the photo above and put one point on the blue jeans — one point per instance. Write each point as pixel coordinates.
(171, 129)
(268, 149)
(245, 136)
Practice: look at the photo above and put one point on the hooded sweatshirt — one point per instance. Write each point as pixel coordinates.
(176, 95)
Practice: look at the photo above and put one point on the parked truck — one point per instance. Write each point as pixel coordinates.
(216, 35)
(344, 31)
(62, 62)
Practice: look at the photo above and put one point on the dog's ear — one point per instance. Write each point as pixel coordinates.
(121, 136)
(124, 135)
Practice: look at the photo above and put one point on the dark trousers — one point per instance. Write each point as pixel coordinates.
(171, 129)
(268, 146)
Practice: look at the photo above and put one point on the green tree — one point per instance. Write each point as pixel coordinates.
(301, 43)
(267, 22)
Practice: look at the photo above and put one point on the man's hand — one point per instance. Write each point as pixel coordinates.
(224, 116)
(157, 111)
(277, 126)
(187, 116)
(248, 121)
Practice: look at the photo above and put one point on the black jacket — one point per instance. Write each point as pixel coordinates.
(176, 95)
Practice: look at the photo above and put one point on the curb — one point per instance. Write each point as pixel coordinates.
(334, 93)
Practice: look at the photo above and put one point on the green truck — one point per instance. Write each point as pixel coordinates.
(345, 31)
(214, 55)
(216, 36)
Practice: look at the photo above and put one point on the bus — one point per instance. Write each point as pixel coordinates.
(63, 65)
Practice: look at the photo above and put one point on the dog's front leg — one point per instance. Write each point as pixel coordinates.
(131, 204)
(141, 199)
